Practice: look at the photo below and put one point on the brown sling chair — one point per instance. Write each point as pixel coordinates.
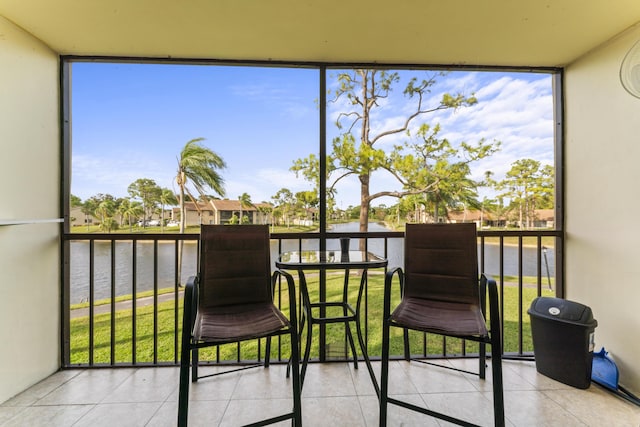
(231, 300)
(442, 294)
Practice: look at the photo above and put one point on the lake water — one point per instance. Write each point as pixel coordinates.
(123, 274)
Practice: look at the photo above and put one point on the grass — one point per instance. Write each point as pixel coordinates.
(121, 298)
(547, 241)
(165, 346)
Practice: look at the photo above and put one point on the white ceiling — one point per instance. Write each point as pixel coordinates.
(533, 33)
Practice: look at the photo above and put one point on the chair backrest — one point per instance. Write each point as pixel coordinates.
(235, 265)
(441, 262)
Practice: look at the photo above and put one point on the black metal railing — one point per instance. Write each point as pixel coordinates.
(105, 325)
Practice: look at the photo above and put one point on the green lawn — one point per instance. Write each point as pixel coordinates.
(166, 335)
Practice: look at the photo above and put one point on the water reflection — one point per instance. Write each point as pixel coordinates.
(123, 264)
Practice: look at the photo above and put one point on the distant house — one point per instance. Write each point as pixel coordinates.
(544, 218)
(481, 218)
(221, 212)
(310, 216)
(78, 218)
(467, 216)
(195, 215)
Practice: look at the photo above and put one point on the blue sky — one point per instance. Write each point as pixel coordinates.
(130, 121)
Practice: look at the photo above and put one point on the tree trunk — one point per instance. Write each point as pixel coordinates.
(520, 216)
(182, 227)
(364, 207)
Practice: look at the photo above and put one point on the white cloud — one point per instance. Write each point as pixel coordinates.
(515, 109)
(94, 174)
(262, 184)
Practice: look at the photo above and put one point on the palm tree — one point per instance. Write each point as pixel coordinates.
(88, 208)
(105, 211)
(166, 198)
(245, 202)
(198, 166)
(133, 210)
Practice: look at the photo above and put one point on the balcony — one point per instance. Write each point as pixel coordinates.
(598, 156)
(99, 330)
(144, 391)
(334, 394)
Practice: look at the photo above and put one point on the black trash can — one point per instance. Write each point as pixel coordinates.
(563, 340)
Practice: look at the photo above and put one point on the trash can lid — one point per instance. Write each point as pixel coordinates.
(563, 310)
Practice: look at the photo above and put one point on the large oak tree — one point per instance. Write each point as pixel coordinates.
(423, 164)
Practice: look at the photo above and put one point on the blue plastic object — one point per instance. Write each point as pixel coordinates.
(604, 370)
(605, 373)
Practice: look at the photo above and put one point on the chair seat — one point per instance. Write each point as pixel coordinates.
(238, 322)
(441, 317)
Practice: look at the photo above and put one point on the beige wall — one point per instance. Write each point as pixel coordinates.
(29, 188)
(602, 201)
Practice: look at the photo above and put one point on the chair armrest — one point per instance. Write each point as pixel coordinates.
(190, 306)
(292, 295)
(388, 281)
(487, 282)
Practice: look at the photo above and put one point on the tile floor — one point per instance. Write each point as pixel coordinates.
(335, 394)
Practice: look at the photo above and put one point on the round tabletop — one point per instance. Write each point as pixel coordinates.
(327, 260)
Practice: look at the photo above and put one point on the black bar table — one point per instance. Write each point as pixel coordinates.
(302, 261)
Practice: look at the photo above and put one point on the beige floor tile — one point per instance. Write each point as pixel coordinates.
(145, 385)
(527, 370)
(399, 379)
(167, 414)
(396, 415)
(328, 379)
(596, 406)
(432, 379)
(511, 379)
(53, 416)
(202, 413)
(90, 386)
(533, 409)
(334, 394)
(41, 389)
(8, 412)
(119, 414)
(332, 411)
(241, 412)
(264, 383)
(219, 387)
(362, 379)
(474, 407)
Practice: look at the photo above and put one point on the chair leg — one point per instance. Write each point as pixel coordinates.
(365, 356)
(407, 351)
(482, 360)
(307, 351)
(183, 390)
(194, 365)
(296, 383)
(384, 374)
(496, 370)
(352, 345)
(300, 329)
(267, 352)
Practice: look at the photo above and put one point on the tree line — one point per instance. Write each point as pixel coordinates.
(527, 187)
